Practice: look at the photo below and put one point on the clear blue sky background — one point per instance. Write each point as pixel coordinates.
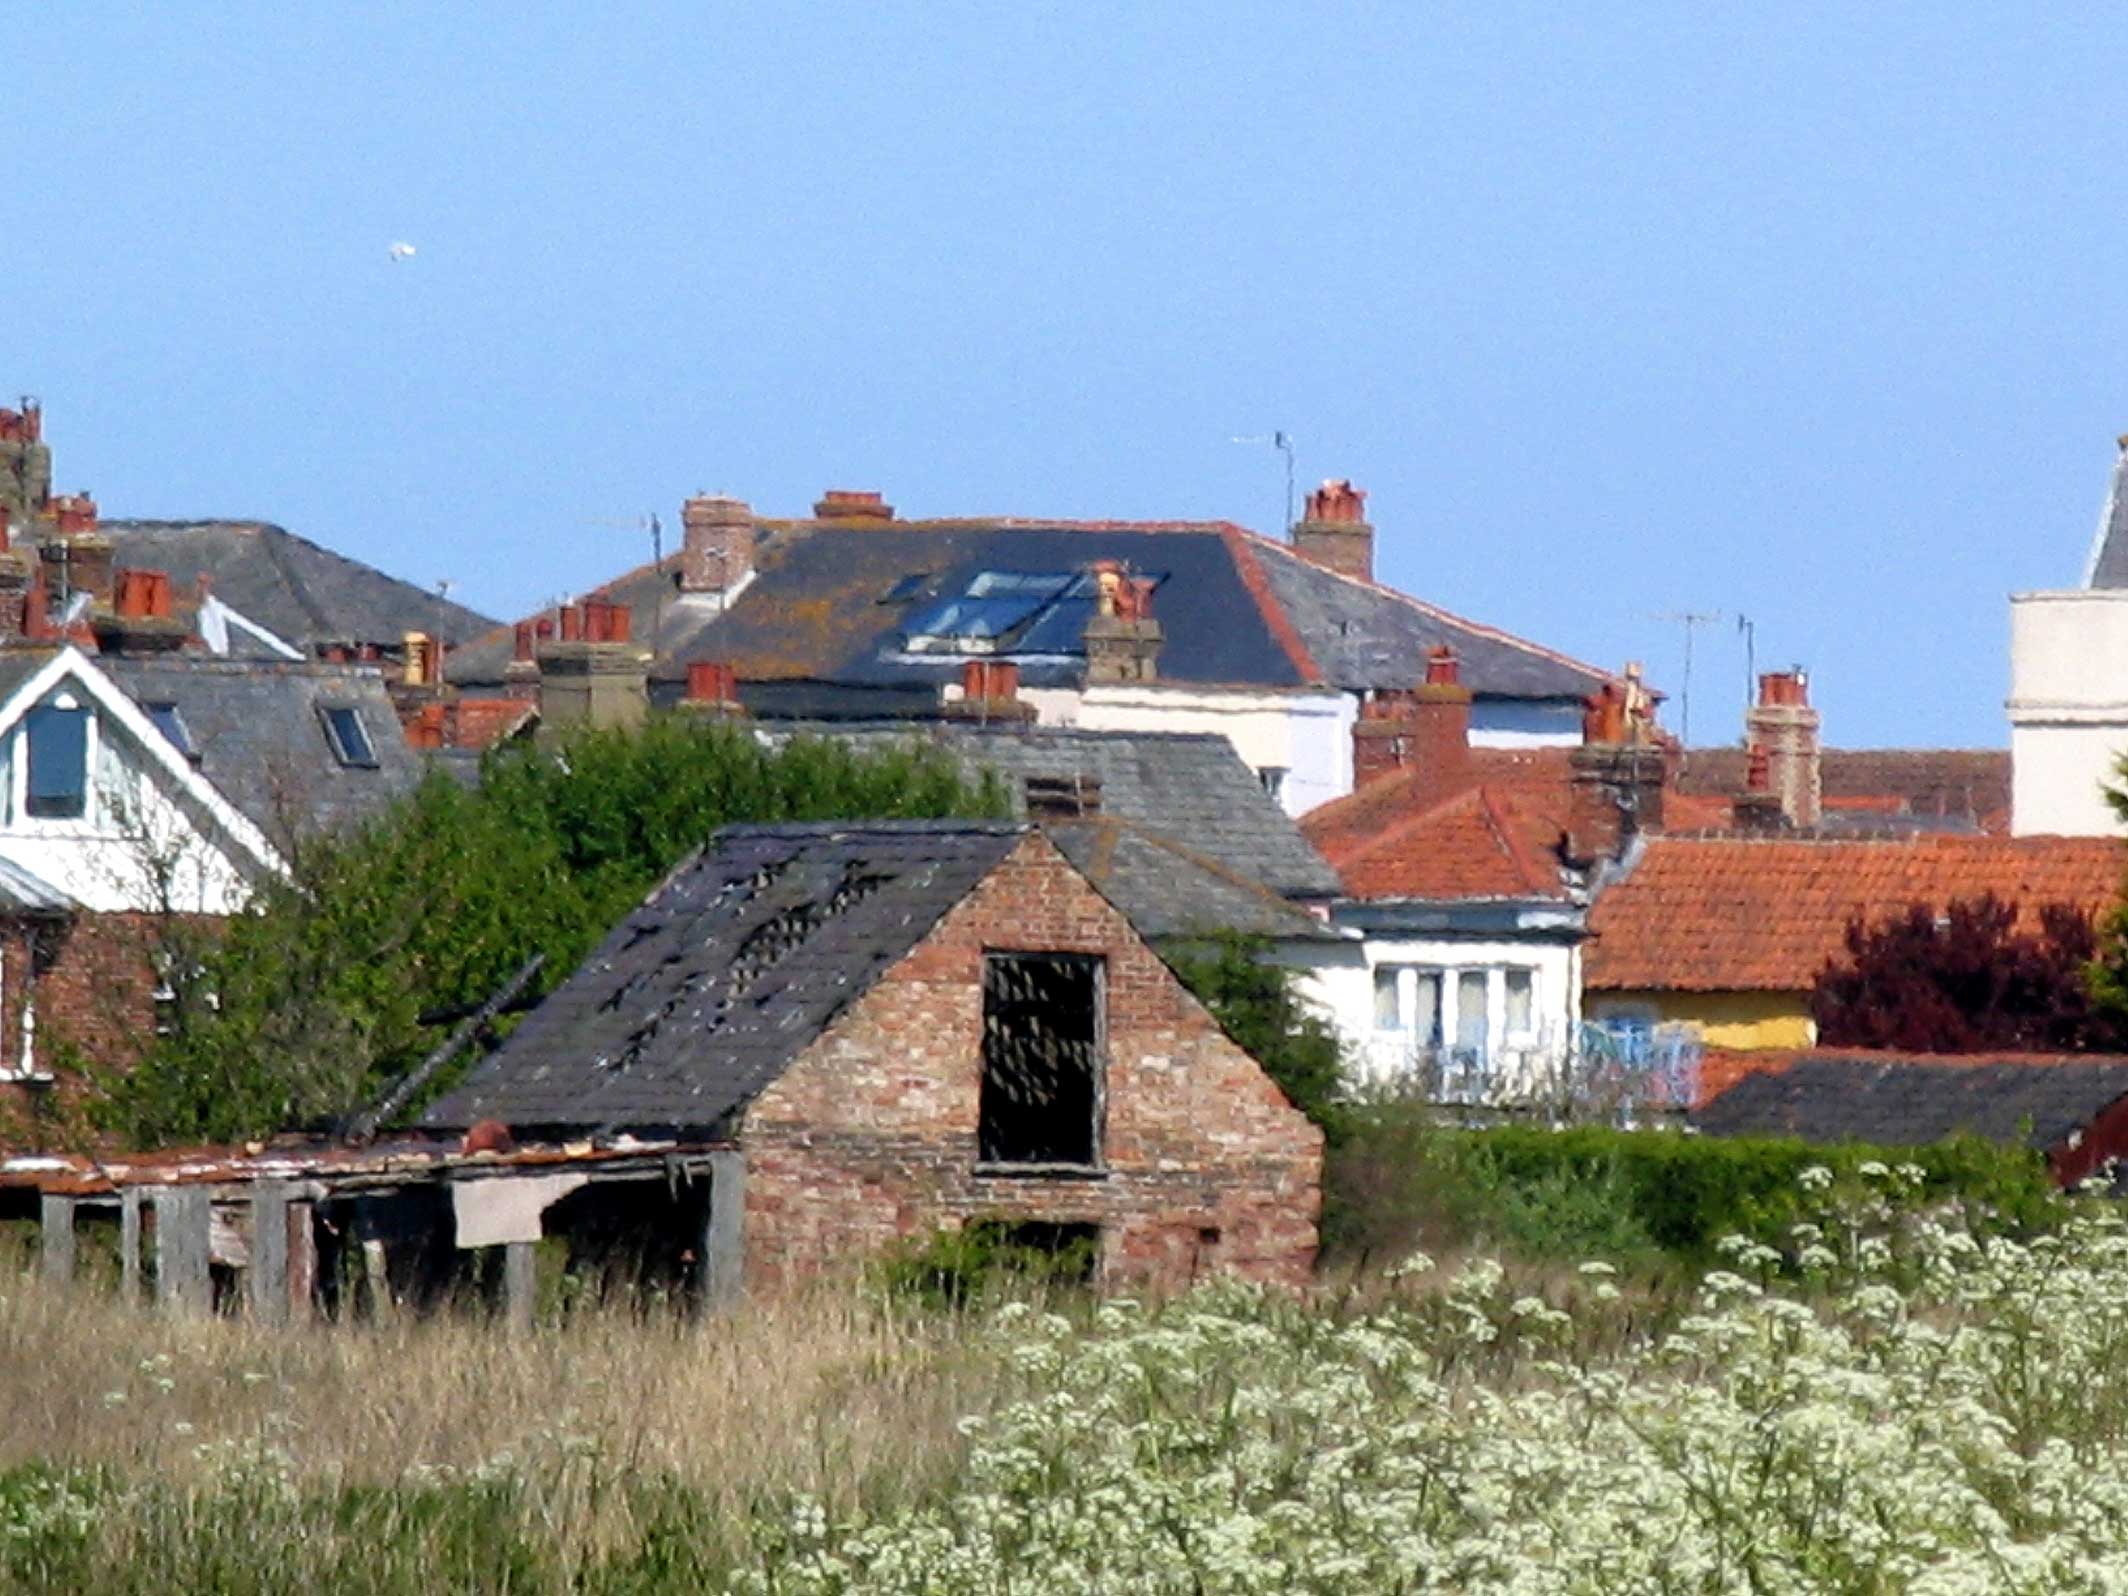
(1813, 314)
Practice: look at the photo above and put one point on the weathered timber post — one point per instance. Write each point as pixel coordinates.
(56, 1237)
(520, 1283)
(183, 1281)
(724, 1232)
(269, 1252)
(129, 1246)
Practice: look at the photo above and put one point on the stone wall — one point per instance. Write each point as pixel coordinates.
(870, 1137)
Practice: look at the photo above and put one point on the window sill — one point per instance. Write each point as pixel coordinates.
(27, 1078)
(997, 1171)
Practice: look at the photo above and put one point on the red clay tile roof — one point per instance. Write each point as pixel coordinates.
(1740, 914)
(1478, 844)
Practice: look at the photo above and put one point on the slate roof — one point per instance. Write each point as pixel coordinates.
(709, 990)
(257, 731)
(1167, 890)
(1734, 914)
(304, 594)
(22, 892)
(1189, 786)
(1478, 844)
(2108, 562)
(830, 602)
(1910, 1102)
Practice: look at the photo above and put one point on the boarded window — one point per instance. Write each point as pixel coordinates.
(1042, 1059)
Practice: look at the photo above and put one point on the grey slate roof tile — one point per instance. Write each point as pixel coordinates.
(1190, 787)
(304, 594)
(257, 730)
(709, 990)
(1903, 1103)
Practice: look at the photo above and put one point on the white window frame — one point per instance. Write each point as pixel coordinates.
(89, 822)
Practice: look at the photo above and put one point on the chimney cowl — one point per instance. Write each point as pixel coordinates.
(1788, 689)
(712, 684)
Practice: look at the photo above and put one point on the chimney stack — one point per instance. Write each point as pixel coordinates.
(1122, 637)
(1617, 776)
(716, 546)
(990, 691)
(1784, 725)
(849, 504)
(25, 464)
(1334, 532)
(142, 618)
(712, 688)
(1423, 729)
(592, 674)
(1756, 810)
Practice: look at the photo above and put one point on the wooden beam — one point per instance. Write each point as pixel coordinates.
(183, 1281)
(724, 1232)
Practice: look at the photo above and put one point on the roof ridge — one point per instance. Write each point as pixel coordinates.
(1435, 611)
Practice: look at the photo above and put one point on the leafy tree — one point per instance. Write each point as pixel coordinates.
(1967, 980)
(306, 1007)
(1255, 1002)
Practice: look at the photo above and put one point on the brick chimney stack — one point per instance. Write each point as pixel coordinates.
(716, 546)
(990, 692)
(1122, 637)
(1334, 532)
(1617, 776)
(1786, 727)
(25, 464)
(142, 618)
(1423, 729)
(1757, 809)
(712, 688)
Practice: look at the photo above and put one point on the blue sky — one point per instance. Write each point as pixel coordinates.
(1812, 314)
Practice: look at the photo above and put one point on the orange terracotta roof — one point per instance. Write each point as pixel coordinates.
(1737, 914)
(1477, 844)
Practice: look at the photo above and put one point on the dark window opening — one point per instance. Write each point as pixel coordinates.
(1273, 778)
(349, 737)
(172, 725)
(1042, 1065)
(58, 787)
(1049, 1251)
(1062, 797)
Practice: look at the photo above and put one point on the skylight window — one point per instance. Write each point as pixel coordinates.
(1007, 612)
(348, 736)
(909, 587)
(172, 725)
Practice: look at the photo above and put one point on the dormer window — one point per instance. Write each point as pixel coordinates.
(57, 736)
(175, 732)
(348, 736)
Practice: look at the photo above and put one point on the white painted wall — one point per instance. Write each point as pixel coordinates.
(2068, 709)
(1345, 993)
(1305, 733)
(140, 846)
(1496, 723)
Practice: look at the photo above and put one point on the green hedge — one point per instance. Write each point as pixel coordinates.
(1402, 1180)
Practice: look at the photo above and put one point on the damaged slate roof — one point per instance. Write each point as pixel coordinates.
(1169, 891)
(1189, 786)
(1910, 1103)
(830, 603)
(709, 990)
(256, 730)
(306, 595)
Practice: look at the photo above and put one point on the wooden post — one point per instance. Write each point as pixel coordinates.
(520, 1283)
(302, 1261)
(56, 1237)
(183, 1282)
(129, 1246)
(269, 1252)
(724, 1232)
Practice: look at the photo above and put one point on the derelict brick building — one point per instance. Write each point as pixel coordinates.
(903, 1027)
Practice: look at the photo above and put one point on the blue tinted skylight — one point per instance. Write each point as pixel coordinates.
(1017, 612)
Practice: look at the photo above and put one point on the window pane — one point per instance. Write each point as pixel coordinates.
(59, 761)
(1426, 1009)
(1470, 1009)
(1521, 1002)
(349, 737)
(1388, 1016)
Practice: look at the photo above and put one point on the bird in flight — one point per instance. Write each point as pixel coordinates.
(402, 251)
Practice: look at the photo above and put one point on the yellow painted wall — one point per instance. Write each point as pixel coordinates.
(1725, 1019)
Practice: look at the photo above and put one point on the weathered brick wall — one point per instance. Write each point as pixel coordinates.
(870, 1137)
(94, 997)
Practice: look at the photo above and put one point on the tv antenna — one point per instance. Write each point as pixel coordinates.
(1748, 630)
(1283, 443)
(1691, 621)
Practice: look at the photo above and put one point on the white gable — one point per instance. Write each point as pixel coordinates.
(96, 801)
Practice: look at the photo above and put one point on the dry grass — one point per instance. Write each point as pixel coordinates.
(832, 1393)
